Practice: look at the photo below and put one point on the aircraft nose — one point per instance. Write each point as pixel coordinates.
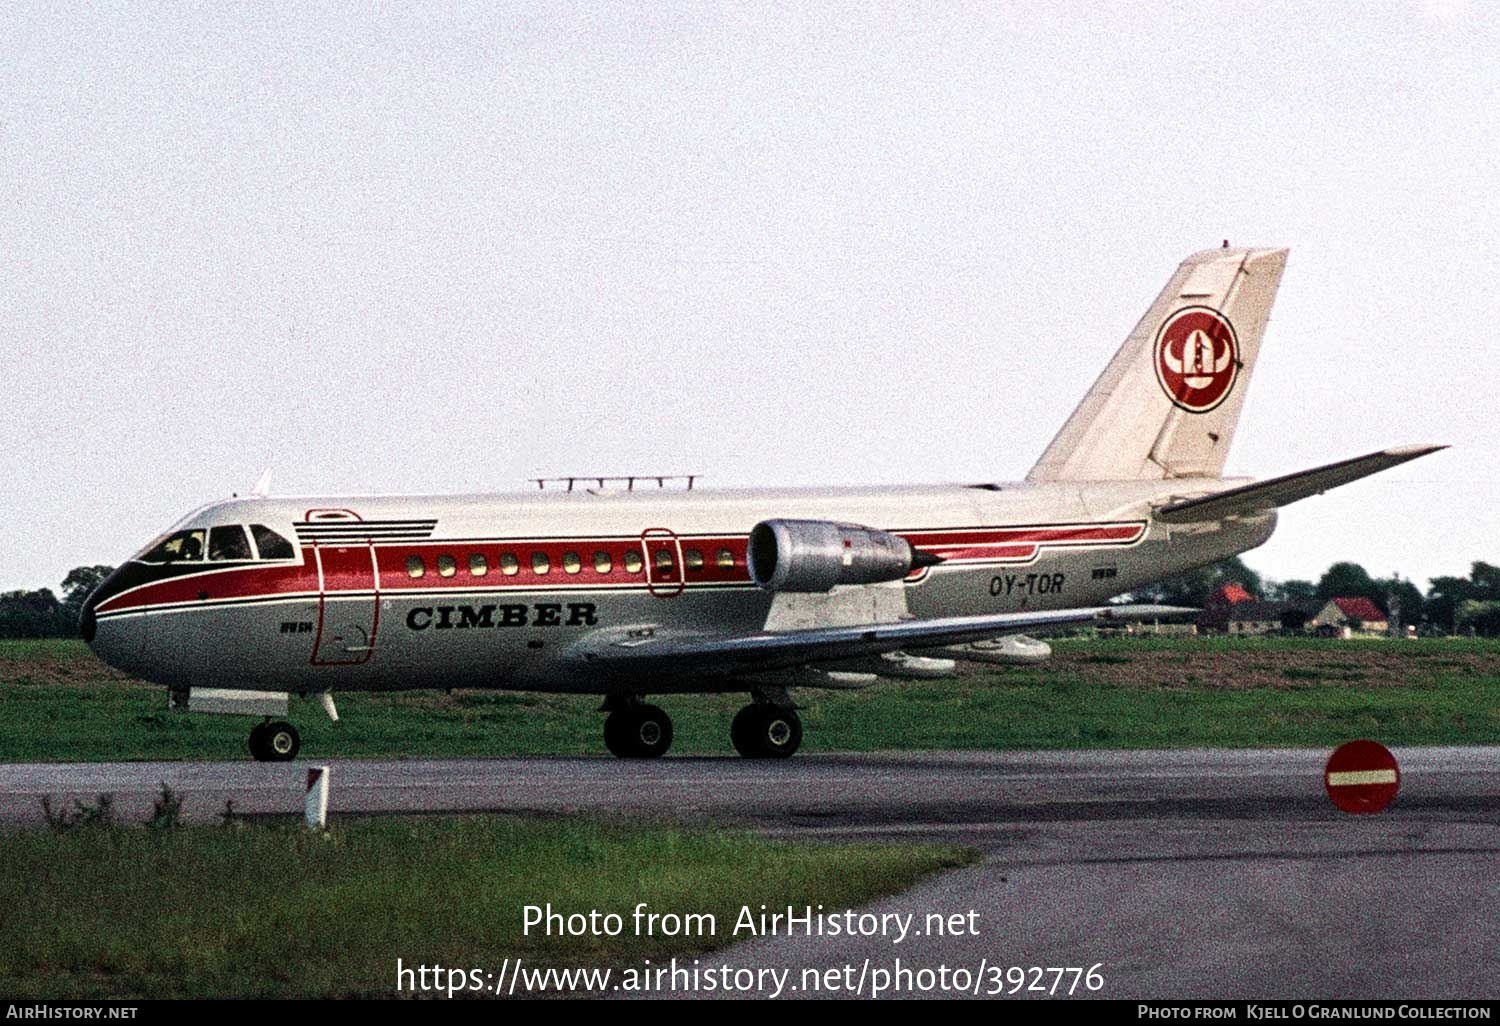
(116, 642)
(88, 619)
(88, 622)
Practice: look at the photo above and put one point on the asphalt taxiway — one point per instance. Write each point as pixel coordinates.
(1191, 873)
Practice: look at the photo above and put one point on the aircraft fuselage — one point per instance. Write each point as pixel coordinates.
(492, 591)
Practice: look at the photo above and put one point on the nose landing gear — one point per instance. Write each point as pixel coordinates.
(275, 741)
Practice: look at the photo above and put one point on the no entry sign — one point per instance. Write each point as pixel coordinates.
(1362, 776)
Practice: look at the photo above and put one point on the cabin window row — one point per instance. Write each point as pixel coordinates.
(572, 563)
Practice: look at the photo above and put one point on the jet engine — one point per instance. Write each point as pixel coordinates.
(816, 555)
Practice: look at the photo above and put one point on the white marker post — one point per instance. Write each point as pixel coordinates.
(317, 797)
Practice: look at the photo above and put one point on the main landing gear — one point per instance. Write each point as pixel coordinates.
(765, 731)
(761, 730)
(275, 741)
(636, 731)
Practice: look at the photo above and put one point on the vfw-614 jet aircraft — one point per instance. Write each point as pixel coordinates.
(605, 587)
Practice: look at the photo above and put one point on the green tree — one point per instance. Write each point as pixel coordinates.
(29, 614)
(1295, 590)
(1349, 580)
(1444, 596)
(1194, 587)
(1448, 596)
(1485, 579)
(1405, 596)
(1481, 616)
(77, 587)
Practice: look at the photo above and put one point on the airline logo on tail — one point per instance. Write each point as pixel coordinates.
(1197, 358)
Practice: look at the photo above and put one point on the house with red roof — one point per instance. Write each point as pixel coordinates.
(1228, 595)
(1349, 616)
(1231, 609)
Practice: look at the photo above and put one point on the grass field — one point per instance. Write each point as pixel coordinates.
(269, 911)
(59, 703)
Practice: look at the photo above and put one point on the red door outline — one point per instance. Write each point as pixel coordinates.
(351, 637)
(663, 584)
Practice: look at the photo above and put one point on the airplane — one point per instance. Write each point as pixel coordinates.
(613, 587)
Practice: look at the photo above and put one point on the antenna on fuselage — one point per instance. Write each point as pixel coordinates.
(263, 486)
(630, 481)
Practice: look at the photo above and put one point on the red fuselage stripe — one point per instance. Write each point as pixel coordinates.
(1008, 545)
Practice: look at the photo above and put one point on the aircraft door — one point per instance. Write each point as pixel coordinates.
(665, 574)
(348, 603)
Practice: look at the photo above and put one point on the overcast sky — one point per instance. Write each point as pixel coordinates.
(438, 248)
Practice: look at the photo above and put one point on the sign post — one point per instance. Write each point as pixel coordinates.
(317, 797)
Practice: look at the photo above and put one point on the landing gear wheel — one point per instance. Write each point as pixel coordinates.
(276, 741)
(638, 732)
(766, 732)
(258, 749)
(742, 730)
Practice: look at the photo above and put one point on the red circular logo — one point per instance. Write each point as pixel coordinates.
(1362, 776)
(1197, 358)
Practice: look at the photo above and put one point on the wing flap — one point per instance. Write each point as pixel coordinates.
(1275, 492)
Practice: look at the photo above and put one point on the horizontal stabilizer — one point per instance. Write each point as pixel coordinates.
(1280, 491)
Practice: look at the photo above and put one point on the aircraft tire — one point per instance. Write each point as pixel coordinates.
(766, 732)
(259, 750)
(742, 731)
(280, 741)
(638, 732)
(616, 729)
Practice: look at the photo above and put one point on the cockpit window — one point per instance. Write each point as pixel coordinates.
(182, 547)
(229, 542)
(271, 544)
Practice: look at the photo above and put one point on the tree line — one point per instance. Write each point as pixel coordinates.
(41, 614)
(1451, 605)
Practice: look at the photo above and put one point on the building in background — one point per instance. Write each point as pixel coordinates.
(1231, 609)
(1347, 617)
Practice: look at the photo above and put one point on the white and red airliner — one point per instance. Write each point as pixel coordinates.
(631, 588)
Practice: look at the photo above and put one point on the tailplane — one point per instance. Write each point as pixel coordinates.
(1167, 404)
(1259, 496)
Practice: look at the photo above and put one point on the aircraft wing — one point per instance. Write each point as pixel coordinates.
(1279, 491)
(630, 651)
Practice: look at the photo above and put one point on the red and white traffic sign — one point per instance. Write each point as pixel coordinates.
(1362, 776)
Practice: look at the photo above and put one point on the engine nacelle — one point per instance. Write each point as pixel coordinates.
(816, 555)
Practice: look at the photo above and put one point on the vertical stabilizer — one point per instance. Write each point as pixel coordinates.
(1167, 404)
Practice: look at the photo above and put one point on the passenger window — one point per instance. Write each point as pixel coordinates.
(633, 562)
(478, 565)
(509, 564)
(664, 559)
(447, 566)
(540, 564)
(693, 559)
(725, 559)
(227, 543)
(182, 547)
(602, 563)
(415, 567)
(270, 544)
(571, 563)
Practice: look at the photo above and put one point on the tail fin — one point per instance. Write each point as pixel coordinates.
(1167, 404)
